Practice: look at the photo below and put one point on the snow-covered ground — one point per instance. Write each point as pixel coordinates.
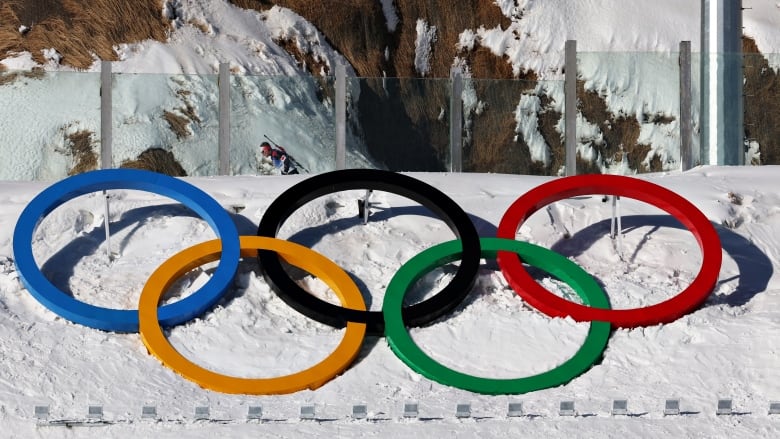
(725, 349)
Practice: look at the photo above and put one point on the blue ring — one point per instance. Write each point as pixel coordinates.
(118, 319)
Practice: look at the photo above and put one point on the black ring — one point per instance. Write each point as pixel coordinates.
(418, 314)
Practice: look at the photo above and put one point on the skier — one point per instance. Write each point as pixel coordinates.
(280, 159)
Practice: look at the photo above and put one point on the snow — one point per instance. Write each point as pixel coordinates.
(426, 36)
(391, 15)
(466, 40)
(725, 349)
(243, 38)
(598, 26)
(528, 125)
(44, 112)
(760, 20)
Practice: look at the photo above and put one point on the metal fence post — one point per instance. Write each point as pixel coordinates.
(686, 124)
(341, 116)
(223, 136)
(105, 115)
(106, 160)
(456, 121)
(570, 110)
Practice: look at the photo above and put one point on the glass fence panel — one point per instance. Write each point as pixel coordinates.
(294, 112)
(628, 115)
(166, 123)
(696, 108)
(398, 124)
(628, 120)
(50, 124)
(513, 127)
(762, 108)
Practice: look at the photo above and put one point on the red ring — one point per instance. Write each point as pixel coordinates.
(567, 187)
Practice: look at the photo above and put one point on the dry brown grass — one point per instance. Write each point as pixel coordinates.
(485, 64)
(356, 28)
(495, 146)
(658, 118)
(472, 14)
(10, 37)
(762, 103)
(10, 77)
(200, 25)
(188, 110)
(79, 30)
(180, 121)
(180, 125)
(306, 61)
(406, 134)
(503, 154)
(620, 132)
(548, 120)
(156, 160)
(35, 73)
(80, 144)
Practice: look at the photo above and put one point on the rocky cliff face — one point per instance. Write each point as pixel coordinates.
(405, 124)
(405, 121)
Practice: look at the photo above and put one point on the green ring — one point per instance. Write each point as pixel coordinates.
(555, 264)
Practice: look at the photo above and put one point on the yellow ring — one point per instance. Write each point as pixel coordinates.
(297, 255)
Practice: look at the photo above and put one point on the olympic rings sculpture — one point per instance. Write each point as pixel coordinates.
(394, 319)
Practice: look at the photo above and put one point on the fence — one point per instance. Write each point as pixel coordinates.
(605, 112)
